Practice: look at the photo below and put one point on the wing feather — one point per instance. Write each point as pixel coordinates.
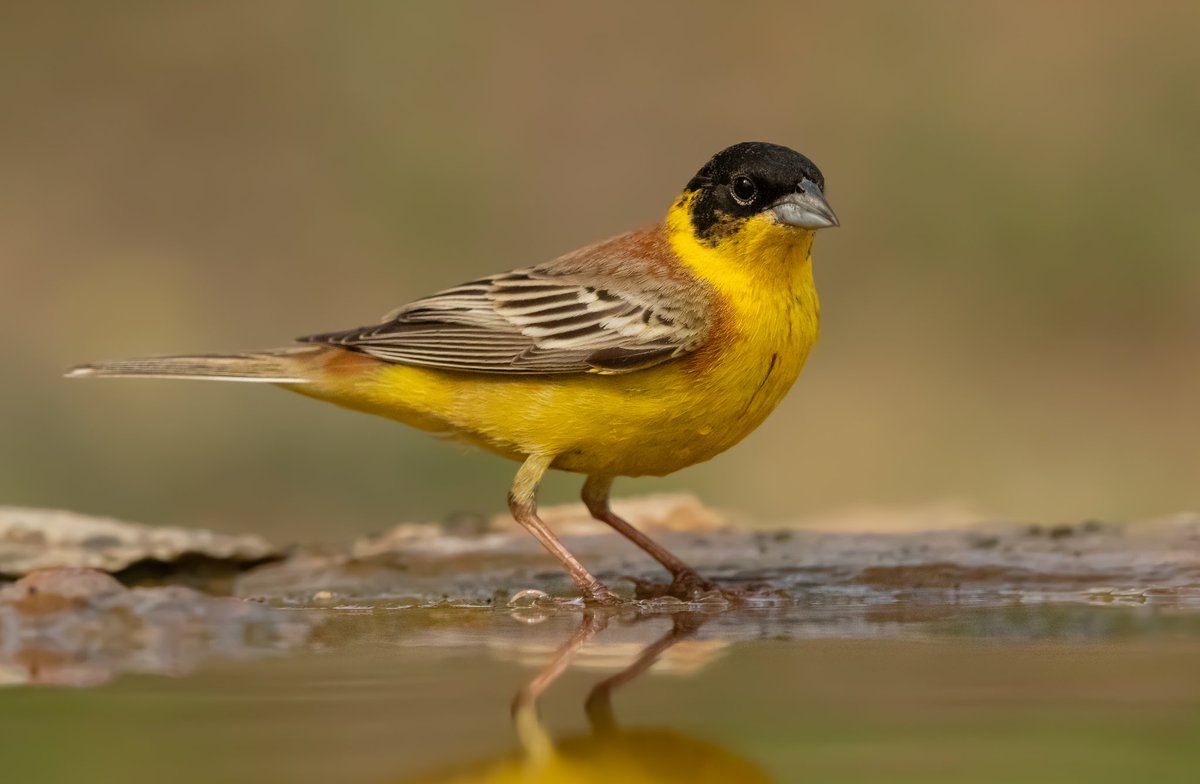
(611, 308)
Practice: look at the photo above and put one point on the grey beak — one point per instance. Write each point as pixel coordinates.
(806, 208)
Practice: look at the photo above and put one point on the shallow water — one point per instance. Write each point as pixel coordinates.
(850, 691)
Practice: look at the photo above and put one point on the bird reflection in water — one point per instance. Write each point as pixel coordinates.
(608, 753)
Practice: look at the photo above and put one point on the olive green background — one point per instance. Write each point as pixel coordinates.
(1010, 309)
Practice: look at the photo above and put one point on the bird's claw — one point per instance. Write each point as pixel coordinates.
(601, 597)
(686, 586)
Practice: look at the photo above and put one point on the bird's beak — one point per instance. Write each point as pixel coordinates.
(806, 208)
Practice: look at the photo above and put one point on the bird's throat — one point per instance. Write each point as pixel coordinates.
(754, 258)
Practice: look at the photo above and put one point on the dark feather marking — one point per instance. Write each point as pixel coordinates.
(522, 290)
(627, 359)
(588, 317)
(571, 333)
(542, 299)
(761, 384)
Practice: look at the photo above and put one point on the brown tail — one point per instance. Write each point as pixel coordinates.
(285, 366)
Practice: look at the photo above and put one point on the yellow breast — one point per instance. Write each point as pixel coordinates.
(763, 273)
(652, 421)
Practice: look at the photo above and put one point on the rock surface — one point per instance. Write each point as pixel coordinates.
(482, 561)
(1157, 560)
(33, 539)
(80, 626)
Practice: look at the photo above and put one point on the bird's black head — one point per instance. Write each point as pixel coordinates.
(755, 178)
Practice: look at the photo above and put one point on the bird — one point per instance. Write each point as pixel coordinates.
(636, 356)
(608, 751)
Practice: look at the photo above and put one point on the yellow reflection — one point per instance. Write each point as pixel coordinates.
(608, 753)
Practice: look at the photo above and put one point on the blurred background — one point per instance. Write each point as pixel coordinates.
(1010, 309)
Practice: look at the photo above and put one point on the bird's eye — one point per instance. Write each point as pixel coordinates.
(743, 189)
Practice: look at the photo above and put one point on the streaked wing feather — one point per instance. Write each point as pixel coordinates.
(563, 317)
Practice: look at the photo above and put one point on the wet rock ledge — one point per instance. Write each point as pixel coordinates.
(32, 539)
(82, 599)
(481, 561)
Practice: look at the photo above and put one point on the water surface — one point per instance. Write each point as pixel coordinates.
(897, 692)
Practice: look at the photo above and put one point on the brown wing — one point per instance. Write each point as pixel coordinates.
(615, 307)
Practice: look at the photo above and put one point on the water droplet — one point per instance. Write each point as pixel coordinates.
(530, 597)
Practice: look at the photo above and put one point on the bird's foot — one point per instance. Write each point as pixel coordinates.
(687, 586)
(599, 596)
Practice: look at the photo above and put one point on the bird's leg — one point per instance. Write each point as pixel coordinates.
(599, 701)
(533, 736)
(522, 502)
(591, 625)
(686, 582)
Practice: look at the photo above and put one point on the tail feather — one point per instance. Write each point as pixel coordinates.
(285, 366)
